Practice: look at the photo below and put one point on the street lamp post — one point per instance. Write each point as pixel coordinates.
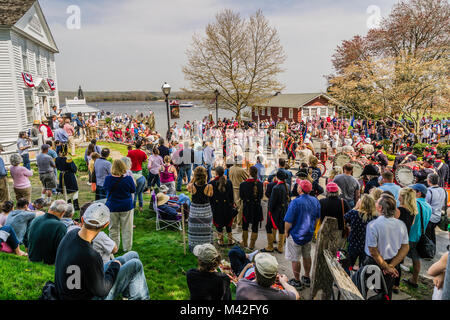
(216, 92)
(166, 90)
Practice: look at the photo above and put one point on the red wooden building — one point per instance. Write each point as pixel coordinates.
(297, 107)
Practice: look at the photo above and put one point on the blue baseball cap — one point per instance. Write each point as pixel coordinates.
(419, 187)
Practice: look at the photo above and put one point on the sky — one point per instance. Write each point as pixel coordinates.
(137, 45)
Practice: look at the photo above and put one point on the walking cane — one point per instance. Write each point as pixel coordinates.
(183, 230)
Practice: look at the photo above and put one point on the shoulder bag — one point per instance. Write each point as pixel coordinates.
(425, 247)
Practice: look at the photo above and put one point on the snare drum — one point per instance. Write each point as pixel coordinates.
(358, 166)
(341, 159)
(404, 175)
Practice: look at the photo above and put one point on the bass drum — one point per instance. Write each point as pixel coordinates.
(341, 159)
(358, 167)
(404, 174)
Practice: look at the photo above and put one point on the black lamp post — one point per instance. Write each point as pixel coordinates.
(166, 90)
(216, 92)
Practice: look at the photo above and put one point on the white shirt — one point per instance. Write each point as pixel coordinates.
(386, 234)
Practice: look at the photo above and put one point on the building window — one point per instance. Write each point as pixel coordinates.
(25, 56)
(263, 111)
(306, 112)
(331, 111)
(323, 112)
(29, 104)
(38, 62)
(280, 112)
(268, 111)
(291, 113)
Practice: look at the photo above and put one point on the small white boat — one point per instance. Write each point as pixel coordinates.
(187, 105)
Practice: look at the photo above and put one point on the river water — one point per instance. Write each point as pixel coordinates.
(198, 112)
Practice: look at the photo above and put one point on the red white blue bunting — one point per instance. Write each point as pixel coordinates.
(51, 84)
(28, 79)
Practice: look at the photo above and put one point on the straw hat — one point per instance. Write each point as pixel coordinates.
(36, 122)
(161, 199)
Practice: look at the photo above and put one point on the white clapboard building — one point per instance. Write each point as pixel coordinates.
(28, 82)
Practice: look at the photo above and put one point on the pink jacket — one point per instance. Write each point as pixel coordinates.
(20, 177)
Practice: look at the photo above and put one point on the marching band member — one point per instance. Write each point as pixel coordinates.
(380, 156)
(427, 168)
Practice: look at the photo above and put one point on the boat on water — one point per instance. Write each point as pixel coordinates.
(187, 105)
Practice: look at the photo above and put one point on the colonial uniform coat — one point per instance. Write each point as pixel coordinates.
(278, 205)
(222, 204)
(237, 175)
(252, 209)
(68, 168)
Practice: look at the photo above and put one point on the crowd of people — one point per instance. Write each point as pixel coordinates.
(230, 169)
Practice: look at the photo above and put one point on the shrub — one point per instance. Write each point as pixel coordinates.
(419, 147)
(81, 164)
(443, 148)
(145, 169)
(387, 144)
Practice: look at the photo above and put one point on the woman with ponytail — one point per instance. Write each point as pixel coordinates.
(222, 203)
(251, 193)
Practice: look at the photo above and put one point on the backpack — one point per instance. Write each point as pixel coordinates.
(49, 292)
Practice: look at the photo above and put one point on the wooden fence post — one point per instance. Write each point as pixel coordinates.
(328, 238)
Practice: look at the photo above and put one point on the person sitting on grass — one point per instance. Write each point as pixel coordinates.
(21, 218)
(45, 233)
(103, 244)
(239, 260)
(37, 205)
(205, 283)
(124, 276)
(68, 215)
(9, 242)
(266, 274)
(7, 207)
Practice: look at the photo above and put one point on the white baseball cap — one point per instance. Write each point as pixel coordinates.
(267, 265)
(96, 215)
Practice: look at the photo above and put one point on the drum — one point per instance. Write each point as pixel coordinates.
(368, 149)
(404, 175)
(358, 166)
(341, 159)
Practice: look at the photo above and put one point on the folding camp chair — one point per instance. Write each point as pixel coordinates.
(162, 223)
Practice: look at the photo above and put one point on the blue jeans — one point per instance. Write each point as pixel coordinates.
(184, 169)
(100, 193)
(130, 281)
(238, 260)
(12, 240)
(153, 179)
(140, 186)
(208, 169)
(26, 161)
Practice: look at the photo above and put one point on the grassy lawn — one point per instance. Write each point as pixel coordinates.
(161, 253)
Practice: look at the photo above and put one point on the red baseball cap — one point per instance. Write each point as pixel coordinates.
(306, 186)
(332, 187)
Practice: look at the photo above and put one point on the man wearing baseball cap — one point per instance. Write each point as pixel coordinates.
(300, 221)
(204, 282)
(266, 274)
(79, 270)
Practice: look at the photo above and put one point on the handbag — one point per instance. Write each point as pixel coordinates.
(346, 229)
(425, 247)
